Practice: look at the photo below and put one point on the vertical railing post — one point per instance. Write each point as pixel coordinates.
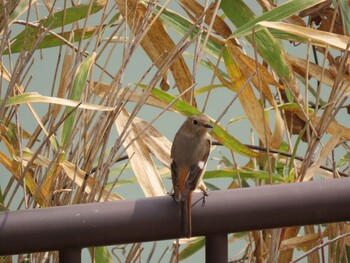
(216, 249)
(70, 255)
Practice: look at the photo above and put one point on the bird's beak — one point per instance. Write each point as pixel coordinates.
(207, 125)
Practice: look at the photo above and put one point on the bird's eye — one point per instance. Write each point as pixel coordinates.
(195, 122)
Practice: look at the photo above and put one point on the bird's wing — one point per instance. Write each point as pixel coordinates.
(196, 173)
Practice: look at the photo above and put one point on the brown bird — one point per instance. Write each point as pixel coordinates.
(189, 155)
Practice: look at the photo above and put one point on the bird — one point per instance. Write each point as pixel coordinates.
(189, 154)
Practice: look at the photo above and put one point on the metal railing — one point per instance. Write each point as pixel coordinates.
(69, 229)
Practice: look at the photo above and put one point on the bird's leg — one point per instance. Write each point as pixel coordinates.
(205, 192)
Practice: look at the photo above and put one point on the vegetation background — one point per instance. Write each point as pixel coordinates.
(92, 93)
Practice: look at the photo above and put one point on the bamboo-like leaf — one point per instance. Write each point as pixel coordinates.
(344, 160)
(326, 150)
(102, 255)
(102, 89)
(40, 160)
(182, 26)
(2, 206)
(249, 102)
(21, 7)
(219, 25)
(299, 241)
(309, 35)
(247, 67)
(78, 176)
(207, 88)
(54, 40)
(141, 161)
(243, 173)
(192, 248)
(155, 42)
(156, 143)
(6, 162)
(271, 50)
(78, 88)
(314, 70)
(34, 97)
(333, 128)
(279, 13)
(13, 167)
(345, 14)
(58, 19)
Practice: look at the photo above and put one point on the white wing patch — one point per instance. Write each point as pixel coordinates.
(201, 164)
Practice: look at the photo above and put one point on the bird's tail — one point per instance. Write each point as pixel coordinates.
(186, 215)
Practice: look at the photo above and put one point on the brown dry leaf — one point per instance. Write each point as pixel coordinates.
(7, 76)
(78, 176)
(249, 101)
(156, 44)
(11, 8)
(326, 150)
(4, 72)
(346, 229)
(140, 158)
(315, 10)
(295, 124)
(326, 17)
(313, 257)
(247, 67)
(13, 167)
(156, 143)
(299, 65)
(299, 241)
(48, 5)
(277, 136)
(289, 232)
(66, 78)
(315, 37)
(333, 128)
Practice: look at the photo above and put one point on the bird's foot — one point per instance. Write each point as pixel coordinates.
(206, 193)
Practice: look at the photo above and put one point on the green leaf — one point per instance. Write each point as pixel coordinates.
(102, 255)
(2, 206)
(344, 160)
(218, 132)
(78, 88)
(58, 19)
(268, 47)
(182, 26)
(207, 88)
(345, 11)
(211, 186)
(276, 14)
(53, 41)
(243, 173)
(192, 248)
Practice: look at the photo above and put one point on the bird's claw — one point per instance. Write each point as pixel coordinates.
(206, 193)
(171, 194)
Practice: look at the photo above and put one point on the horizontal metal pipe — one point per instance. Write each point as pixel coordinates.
(226, 211)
